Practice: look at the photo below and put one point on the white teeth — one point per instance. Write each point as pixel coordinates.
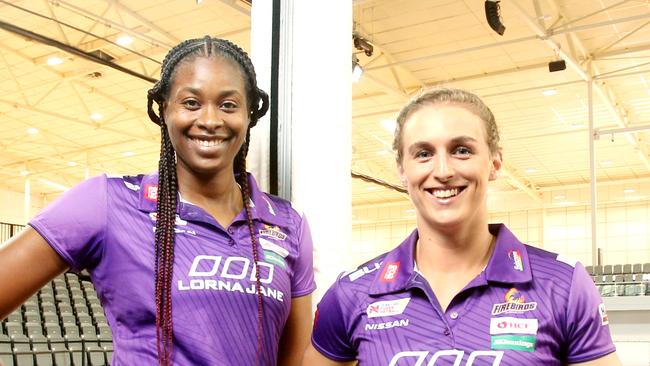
(445, 193)
(207, 143)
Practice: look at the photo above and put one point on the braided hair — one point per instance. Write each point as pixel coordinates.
(448, 96)
(258, 104)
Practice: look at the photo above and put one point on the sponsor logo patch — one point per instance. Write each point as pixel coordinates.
(151, 192)
(272, 257)
(387, 308)
(390, 272)
(509, 325)
(273, 232)
(515, 256)
(517, 343)
(604, 319)
(515, 303)
(268, 245)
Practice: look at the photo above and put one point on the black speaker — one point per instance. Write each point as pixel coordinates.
(556, 66)
(493, 16)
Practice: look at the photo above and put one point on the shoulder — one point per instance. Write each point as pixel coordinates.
(358, 281)
(276, 204)
(554, 271)
(550, 264)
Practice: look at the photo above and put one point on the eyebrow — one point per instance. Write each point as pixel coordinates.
(455, 141)
(222, 94)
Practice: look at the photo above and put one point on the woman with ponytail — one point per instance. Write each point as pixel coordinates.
(194, 265)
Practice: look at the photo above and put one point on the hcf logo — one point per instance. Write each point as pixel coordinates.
(419, 357)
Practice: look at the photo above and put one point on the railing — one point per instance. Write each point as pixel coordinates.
(9, 230)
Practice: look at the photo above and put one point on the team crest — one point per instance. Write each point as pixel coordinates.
(273, 232)
(515, 303)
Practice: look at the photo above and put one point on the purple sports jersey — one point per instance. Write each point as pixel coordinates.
(107, 226)
(528, 307)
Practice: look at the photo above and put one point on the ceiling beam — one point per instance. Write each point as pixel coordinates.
(76, 121)
(599, 55)
(236, 5)
(576, 20)
(605, 94)
(145, 21)
(122, 28)
(544, 34)
(522, 184)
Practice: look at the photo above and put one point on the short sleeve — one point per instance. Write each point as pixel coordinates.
(587, 324)
(303, 272)
(74, 224)
(329, 335)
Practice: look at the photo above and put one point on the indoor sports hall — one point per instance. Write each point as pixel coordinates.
(568, 82)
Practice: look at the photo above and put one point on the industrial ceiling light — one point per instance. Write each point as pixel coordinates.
(124, 40)
(493, 16)
(362, 44)
(54, 60)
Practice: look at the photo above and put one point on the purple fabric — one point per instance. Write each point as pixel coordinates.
(107, 226)
(528, 307)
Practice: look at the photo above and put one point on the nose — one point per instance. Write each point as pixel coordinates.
(209, 118)
(443, 170)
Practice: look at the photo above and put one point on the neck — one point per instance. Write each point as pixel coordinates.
(218, 194)
(459, 250)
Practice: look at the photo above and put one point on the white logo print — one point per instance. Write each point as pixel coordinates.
(364, 270)
(210, 274)
(418, 357)
(387, 325)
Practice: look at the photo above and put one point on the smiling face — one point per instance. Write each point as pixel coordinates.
(446, 165)
(206, 115)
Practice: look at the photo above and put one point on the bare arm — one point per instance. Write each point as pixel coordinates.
(295, 336)
(27, 263)
(609, 360)
(315, 358)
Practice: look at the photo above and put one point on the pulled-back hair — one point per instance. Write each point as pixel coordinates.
(448, 96)
(258, 104)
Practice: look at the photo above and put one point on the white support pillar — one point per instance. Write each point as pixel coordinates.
(261, 26)
(322, 129)
(315, 114)
(592, 173)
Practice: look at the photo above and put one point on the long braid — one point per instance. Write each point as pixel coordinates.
(258, 104)
(243, 182)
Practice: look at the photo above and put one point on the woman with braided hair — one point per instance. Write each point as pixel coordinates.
(193, 265)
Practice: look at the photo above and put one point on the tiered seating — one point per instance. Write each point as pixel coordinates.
(62, 325)
(621, 279)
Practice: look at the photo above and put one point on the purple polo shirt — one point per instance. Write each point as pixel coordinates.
(107, 226)
(528, 307)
